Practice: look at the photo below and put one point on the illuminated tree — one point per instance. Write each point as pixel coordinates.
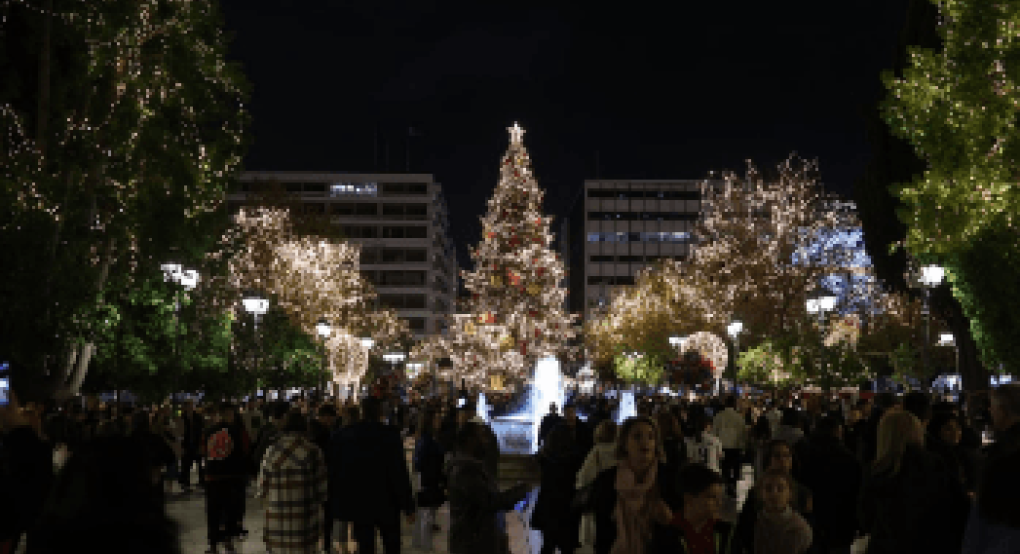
(309, 278)
(517, 297)
(111, 114)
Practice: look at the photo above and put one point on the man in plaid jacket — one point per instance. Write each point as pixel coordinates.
(292, 482)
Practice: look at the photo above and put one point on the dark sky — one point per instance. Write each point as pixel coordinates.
(659, 89)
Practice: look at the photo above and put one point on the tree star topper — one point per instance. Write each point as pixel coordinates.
(516, 134)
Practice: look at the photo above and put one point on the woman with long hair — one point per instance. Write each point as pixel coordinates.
(601, 458)
(633, 497)
(909, 501)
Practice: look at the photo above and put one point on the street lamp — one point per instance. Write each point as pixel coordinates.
(947, 339)
(733, 330)
(257, 306)
(323, 328)
(188, 279)
(931, 277)
(821, 303)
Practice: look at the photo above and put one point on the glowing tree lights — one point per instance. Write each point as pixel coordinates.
(516, 303)
(117, 112)
(312, 279)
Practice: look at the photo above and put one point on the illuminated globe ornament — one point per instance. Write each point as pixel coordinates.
(711, 347)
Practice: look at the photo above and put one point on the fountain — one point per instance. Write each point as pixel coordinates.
(518, 432)
(627, 406)
(482, 409)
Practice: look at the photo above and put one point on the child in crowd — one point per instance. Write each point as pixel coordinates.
(779, 529)
(697, 529)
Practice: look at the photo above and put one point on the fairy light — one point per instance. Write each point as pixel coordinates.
(515, 313)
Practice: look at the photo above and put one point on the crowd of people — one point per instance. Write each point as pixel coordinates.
(892, 474)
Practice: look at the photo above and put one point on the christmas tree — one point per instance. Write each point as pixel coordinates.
(516, 304)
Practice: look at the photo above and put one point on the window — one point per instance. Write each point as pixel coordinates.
(315, 208)
(315, 187)
(400, 278)
(405, 189)
(403, 301)
(632, 259)
(365, 210)
(611, 281)
(369, 256)
(360, 232)
(416, 232)
(294, 187)
(416, 324)
(415, 255)
(601, 258)
(353, 189)
(632, 194)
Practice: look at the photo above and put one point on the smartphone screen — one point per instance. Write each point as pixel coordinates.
(5, 384)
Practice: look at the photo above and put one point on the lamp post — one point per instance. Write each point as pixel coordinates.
(324, 329)
(678, 343)
(733, 330)
(820, 304)
(256, 305)
(947, 339)
(931, 277)
(187, 278)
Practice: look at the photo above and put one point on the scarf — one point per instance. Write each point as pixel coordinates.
(633, 503)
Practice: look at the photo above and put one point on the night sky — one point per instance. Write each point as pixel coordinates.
(668, 90)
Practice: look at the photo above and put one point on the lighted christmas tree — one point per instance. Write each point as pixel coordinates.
(516, 304)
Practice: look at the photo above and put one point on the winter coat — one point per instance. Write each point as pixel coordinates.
(292, 480)
(552, 514)
(26, 475)
(704, 450)
(921, 509)
(670, 538)
(235, 464)
(833, 475)
(474, 501)
(369, 470)
(428, 463)
(747, 520)
(549, 421)
(601, 458)
(605, 504)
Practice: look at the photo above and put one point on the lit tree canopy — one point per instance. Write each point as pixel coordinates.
(113, 115)
(957, 106)
(516, 302)
(310, 278)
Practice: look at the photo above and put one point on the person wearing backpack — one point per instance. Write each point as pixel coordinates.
(226, 470)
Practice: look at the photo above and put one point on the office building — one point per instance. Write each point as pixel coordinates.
(400, 221)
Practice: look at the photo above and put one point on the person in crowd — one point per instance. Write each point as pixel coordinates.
(225, 474)
(320, 430)
(270, 430)
(780, 529)
(26, 473)
(370, 471)
(549, 420)
(292, 482)
(351, 415)
(883, 402)
(600, 413)
(250, 465)
(159, 453)
(104, 500)
(673, 443)
(581, 434)
(833, 474)
(428, 463)
(697, 528)
(777, 455)
(192, 429)
(919, 404)
(852, 430)
(731, 429)
(703, 447)
(994, 523)
(1005, 413)
(559, 460)
(632, 497)
(601, 458)
(760, 435)
(475, 498)
(909, 502)
(790, 428)
(943, 439)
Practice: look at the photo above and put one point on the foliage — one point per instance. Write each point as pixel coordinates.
(138, 124)
(957, 107)
(763, 365)
(638, 369)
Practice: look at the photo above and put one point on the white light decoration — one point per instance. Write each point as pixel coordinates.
(932, 275)
(394, 357)
(189, 279)
(367, 343)
(323, 328)
(256, 305)
(711, 347)
(734, 328)
(947, 339)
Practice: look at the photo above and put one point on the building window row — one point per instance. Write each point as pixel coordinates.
(386, 231)
(353, 189)
(403, 301)
(405, 278)
(393, 255)
(620, 236)
(629, 194)
(643, 216)
(611, 280)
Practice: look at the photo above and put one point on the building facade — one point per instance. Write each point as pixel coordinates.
(618, 227)
(402, 224)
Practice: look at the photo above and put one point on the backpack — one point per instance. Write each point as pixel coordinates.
(219, 445)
